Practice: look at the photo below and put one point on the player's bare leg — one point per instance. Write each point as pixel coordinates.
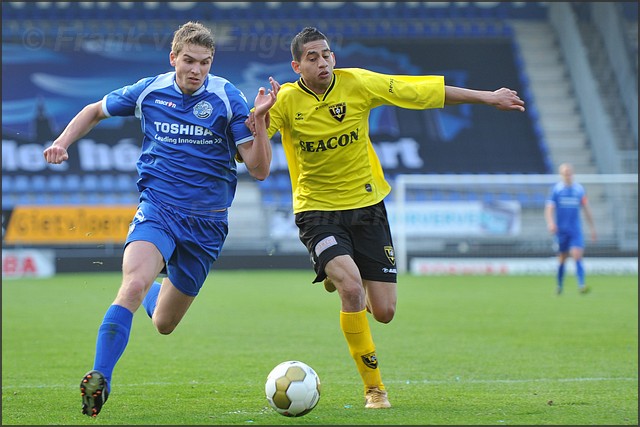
(170, 308)
(355, 326)
(381, 300)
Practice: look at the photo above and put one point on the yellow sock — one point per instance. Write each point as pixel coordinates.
(355, 328)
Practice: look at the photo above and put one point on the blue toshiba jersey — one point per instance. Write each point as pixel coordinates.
(189, 142)
(568, 201)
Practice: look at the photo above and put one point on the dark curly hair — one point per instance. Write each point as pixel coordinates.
(308, 34)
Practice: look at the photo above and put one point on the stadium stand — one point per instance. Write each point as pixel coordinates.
(556, 128)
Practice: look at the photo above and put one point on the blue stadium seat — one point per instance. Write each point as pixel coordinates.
(125, 183)
(39, 183)
(55, 183)
(107, 183)
(47, 199)
(110, 199)
(128, 198)
(7, 184)
(21, 184)
(90, 183)
(24, 198)
(7, 200)
(92, 199)
(73, 182)
(74, 198)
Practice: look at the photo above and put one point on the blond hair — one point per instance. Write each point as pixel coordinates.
(192, 33)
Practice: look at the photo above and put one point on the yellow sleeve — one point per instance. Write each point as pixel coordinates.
(412, 92)
(275, 119)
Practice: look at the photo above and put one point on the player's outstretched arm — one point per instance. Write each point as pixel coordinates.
(257, 154)
(503, 99)
(78, 127)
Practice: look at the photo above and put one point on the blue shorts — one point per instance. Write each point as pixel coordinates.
(188, 242)
(566, 241)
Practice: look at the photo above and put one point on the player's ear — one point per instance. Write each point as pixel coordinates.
(296, 67)
(172, 59)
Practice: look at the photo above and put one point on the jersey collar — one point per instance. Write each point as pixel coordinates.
(304, 87)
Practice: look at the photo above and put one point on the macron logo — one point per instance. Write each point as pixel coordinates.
(166, 103)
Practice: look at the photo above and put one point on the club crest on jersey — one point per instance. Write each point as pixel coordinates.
(202, 110)
(139, 216)
(338, 111)
(388, 250)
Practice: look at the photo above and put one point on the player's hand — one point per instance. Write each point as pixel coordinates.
(506, 99)
(250, 122)
(56, 154)
(265, 100)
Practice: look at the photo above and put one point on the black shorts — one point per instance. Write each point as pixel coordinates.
(363, 234)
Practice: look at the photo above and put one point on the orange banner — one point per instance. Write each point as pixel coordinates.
(69, 224)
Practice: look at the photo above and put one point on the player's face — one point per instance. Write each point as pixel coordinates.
(567, 174)
(192, 65)
(316, 65)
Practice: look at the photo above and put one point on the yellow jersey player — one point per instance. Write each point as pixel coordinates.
(339, 186)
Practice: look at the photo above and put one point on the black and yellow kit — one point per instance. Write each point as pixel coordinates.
(332, 163)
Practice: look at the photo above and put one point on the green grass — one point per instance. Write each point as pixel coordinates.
(477, 350)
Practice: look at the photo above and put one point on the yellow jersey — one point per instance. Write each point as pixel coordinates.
(332, 163)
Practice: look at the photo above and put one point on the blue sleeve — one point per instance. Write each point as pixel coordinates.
(240, 112)
(123, 101)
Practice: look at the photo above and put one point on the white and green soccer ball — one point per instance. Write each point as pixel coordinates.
(292, 388)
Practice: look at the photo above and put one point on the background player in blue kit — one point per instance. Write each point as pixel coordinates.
(194, 130)
(562, 214)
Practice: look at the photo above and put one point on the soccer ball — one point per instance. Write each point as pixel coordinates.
(292, 388)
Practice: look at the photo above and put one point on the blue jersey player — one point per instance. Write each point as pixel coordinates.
(194, 130)
(562, 214)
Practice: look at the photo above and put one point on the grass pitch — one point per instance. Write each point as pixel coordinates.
(462, 350)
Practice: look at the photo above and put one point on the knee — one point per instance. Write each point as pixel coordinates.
(352, 294)
(163, 327)
(384, 314)
(131, 293)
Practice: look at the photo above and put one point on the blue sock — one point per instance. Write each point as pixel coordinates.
(560, 275)
(580, 272)
(150, 300)
(113, 337)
